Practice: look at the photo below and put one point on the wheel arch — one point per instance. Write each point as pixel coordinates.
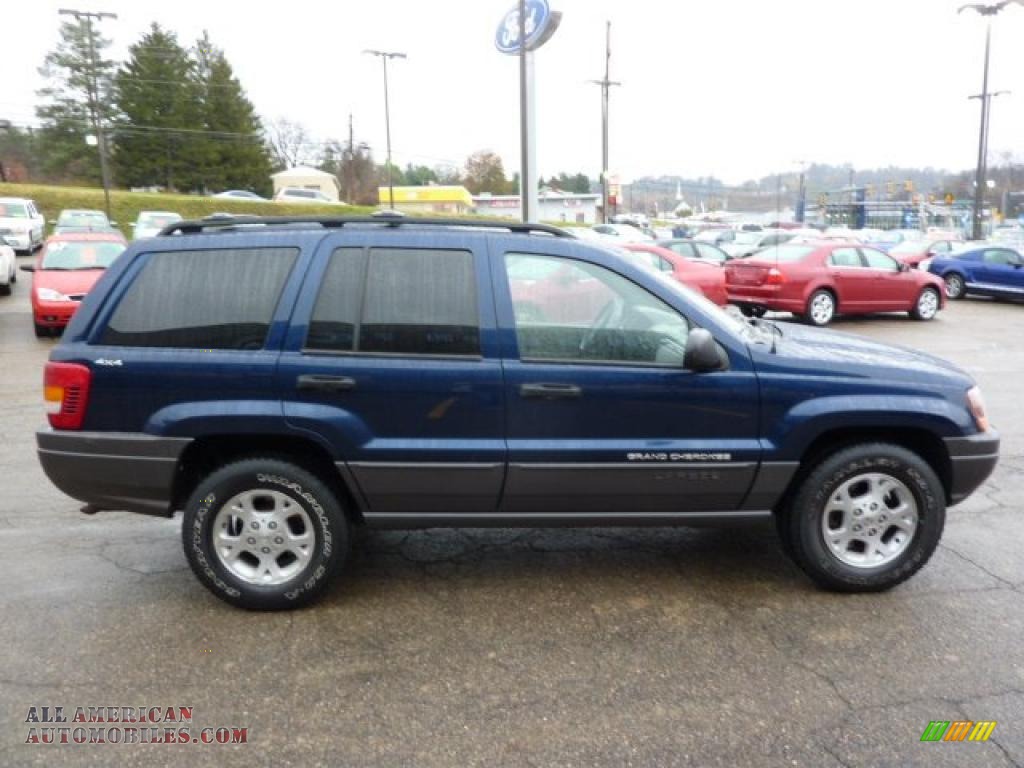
(205, 454)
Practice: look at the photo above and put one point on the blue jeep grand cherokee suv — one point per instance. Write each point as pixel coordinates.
(283, 380)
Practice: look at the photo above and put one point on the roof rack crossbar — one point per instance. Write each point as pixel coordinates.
(197, 226)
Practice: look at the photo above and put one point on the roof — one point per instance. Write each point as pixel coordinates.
(302, 171)
(436, 193)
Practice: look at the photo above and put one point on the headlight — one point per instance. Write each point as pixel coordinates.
(976, 405)
(48, 294)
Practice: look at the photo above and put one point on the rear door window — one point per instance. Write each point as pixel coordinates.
(402, 301)
(214, 299)
(845, 257)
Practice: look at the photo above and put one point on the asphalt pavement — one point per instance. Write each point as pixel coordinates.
(605, 647)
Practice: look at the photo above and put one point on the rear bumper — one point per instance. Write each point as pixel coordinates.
(113, 470)
(973, 459)
(767, 298)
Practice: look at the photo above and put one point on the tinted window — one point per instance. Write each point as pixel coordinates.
(845, 257)
(420, 302)
(580, 312)
(220, 299)
(879, 260)
(336, 313)
(409, 301)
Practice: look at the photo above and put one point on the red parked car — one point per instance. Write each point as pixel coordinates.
(817, 281)
(913, 252)
(65, 270)
(702, 276)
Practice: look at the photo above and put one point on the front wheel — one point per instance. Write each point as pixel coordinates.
(752, 310)
(865, 519)
(264, 534)
(927, 305)
(955, 286)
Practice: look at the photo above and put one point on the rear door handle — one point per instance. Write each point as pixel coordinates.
(551, 391)
(318, 382)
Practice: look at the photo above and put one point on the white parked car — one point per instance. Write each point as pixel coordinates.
(20, 217)
(301, 195)
(623, 233)
(149, 223)
(8, 266)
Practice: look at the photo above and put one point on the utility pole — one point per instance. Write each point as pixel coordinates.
(351, 161)
(384, 56)
(92, 91)
(606, 85)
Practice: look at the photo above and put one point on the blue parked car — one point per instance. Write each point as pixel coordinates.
(284, 380)
(992, 270)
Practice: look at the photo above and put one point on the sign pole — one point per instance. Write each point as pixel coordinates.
(526, 143)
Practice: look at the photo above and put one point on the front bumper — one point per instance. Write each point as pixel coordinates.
(113, 470)
(54, 314)
(22, 241)
(973, 459)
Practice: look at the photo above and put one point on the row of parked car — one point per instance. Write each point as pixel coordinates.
(817, 275)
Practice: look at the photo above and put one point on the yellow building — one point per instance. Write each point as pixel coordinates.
(450, 200)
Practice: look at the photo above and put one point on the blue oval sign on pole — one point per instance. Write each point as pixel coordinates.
(541, 23)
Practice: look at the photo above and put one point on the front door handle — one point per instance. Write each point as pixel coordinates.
(551, 391)
(318, 382)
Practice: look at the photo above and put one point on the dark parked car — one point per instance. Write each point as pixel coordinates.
(818, 281)
(988, 271)
(283, 383)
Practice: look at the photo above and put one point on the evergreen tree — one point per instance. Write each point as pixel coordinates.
(157, 97)
(234, 155)
(76, 96)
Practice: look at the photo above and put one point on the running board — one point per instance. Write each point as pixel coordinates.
(559, 519)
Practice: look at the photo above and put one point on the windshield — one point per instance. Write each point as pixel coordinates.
(157, 220)
(84, 255)
(82, 219)
(748, 238)
(13, 211)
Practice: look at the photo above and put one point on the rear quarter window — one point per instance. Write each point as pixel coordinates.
(212, 299)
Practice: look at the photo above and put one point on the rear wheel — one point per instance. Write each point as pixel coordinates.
(41, 331)
(5, 289)
(264, 534)
(927, 305)
(821, 308)
(752, 310)
(955, 286)
(865, 519)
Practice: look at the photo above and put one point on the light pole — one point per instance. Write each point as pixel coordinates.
(985, 129)
(988, 11)
(384, 56)
(606, 85)
(92, 91)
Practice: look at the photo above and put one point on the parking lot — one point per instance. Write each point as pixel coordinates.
(603, 647)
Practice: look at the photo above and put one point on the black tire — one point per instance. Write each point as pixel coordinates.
(956, 288)
(752, 310)
(5, 289)
(292, 484)
(41, 331)
(820, 318)
(923, 310)
(801, 524)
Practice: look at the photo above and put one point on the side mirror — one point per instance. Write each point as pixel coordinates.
(703, 353)
(904, 267)
(932, 253)
(27, 267)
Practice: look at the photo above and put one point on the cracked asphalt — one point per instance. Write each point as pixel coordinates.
(607, 647)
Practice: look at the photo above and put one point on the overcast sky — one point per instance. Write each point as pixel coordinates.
(734, 88)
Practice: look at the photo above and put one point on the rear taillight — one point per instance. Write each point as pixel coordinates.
(66, 390)
(775, 277)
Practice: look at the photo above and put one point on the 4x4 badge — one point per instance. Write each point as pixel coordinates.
(109, 363)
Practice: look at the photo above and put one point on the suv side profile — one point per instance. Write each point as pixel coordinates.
(286, 379)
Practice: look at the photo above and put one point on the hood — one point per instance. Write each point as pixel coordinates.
(817, 351)
(70, 282)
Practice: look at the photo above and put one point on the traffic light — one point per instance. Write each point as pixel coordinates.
(908, 186)
(949, 198)
(931, 198)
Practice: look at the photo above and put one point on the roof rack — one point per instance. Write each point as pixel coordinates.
(246, 221)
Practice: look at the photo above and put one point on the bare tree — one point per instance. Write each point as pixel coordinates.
(290, 144)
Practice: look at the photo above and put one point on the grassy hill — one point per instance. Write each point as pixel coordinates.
(125, 206)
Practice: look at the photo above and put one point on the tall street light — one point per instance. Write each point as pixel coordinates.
(384, 56)
(92, 90)
(988, 11)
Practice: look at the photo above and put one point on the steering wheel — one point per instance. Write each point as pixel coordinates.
(609, 317)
